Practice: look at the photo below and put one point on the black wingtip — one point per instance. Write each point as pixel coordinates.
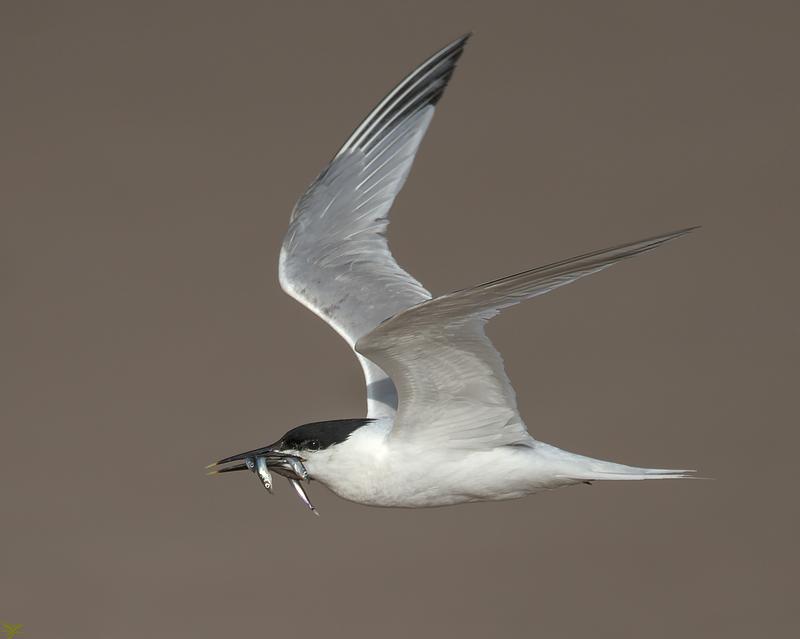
(457, 43)
(463, 39)
(424, 86)
(668, 237)
(686, 230)
(650, 243)
(445, 61)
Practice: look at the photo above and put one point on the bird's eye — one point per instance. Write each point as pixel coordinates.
(312, 444)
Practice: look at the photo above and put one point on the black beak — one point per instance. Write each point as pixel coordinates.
(261, 461)
(282, 463)
(228, 469)
(266, 451)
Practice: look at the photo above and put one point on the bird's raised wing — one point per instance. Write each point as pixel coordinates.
(335, 259)
(451, 382)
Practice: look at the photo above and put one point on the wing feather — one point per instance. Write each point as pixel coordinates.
(335, 258)
(452, 385)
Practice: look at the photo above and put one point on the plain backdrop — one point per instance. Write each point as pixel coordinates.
(150, 155)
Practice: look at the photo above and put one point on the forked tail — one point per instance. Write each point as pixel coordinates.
(598, 470)
(574, 467)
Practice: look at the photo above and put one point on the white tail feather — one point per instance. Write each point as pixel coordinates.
(571, 466)
(602, 471)
(634, 474)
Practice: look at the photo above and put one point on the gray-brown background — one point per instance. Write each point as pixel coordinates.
(151, 153)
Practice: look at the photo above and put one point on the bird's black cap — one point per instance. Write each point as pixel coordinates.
(313, 436)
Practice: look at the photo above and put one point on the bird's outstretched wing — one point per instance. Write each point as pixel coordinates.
(335, 258)
(453, 389)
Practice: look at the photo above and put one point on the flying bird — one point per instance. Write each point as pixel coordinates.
(442, 424)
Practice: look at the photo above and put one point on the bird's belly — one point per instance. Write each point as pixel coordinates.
(443, 479)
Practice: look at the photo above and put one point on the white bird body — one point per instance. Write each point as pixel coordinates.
(442, 423)
(369, 469)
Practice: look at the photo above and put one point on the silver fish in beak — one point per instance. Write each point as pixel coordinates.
(263, 460)
(263, 473)
(301, 492)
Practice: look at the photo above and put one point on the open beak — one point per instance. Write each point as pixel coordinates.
(263, 460)
(271, 451)
(228, 469)
(268, 457)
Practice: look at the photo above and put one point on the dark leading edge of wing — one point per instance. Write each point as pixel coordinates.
(423, 87)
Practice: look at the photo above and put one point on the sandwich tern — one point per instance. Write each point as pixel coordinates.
(442, 425)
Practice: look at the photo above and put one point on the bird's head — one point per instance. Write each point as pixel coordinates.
(293, 454)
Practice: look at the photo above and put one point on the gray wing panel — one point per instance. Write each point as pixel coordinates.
(452, 385)
(335, 258)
